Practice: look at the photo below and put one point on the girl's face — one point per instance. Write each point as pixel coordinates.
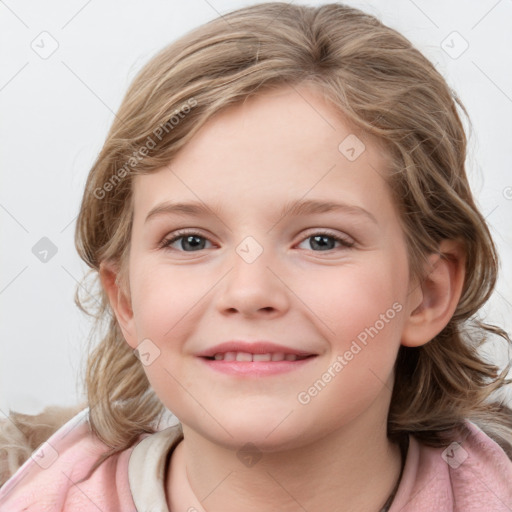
(260, 259)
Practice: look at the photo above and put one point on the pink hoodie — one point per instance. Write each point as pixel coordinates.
(472, 475)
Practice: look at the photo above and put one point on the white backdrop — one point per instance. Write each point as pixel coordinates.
(65, 67)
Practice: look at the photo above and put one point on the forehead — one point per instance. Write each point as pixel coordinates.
(275, 147)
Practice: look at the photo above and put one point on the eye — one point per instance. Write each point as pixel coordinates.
(192, 241)
(326, 241)
(189, 240)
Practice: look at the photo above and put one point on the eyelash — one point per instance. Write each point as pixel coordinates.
(166, 242)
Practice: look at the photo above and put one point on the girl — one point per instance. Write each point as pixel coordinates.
(291, 261)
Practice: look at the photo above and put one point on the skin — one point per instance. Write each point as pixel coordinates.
(251, 160)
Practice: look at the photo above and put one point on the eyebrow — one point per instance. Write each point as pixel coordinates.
(294, 208)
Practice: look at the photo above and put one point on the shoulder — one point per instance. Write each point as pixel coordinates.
(21, 434)
(50, 478)
(471, 474)
(480, 472)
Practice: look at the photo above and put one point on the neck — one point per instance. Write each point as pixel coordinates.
(355, 467)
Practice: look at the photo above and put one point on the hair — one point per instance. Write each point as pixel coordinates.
(386, 90)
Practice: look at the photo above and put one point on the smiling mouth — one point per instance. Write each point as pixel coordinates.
(248, 357)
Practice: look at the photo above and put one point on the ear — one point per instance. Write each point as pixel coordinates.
(434, 301)
(120, 301)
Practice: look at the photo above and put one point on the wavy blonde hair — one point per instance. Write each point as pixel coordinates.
(382, 86)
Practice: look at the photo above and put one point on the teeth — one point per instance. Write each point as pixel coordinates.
(262, 357)
(243, 356)
(229, 356)
(247, 357)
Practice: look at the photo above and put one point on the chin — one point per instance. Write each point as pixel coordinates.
(263, 433)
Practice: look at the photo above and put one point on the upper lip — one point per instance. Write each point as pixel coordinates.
(258, 347)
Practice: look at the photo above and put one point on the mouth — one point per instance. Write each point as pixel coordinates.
(255, 359)
(249, 357)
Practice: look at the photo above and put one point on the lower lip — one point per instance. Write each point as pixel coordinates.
(256, 368)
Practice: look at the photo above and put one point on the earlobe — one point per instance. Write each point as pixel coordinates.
(439, 295)
(119, 301)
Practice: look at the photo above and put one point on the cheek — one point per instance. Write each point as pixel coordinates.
(164, 301)
(163, 297)
(352, 298)
(363, 308)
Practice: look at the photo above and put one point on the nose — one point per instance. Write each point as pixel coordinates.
(254, 288)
